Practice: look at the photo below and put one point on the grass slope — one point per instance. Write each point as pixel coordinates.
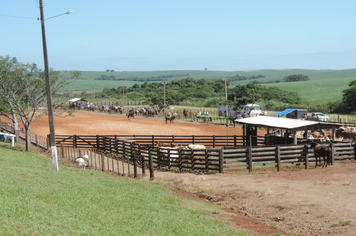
(317, 91)
(35, 200)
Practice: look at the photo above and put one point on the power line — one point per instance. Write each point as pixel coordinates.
(24, 17)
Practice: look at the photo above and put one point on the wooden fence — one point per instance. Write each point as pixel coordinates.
(256, 157)
(138, 151)
(36, 140)
(123, 162)
(102, 142)
(223, 159)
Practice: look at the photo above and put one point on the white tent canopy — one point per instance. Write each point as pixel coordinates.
(77, 99)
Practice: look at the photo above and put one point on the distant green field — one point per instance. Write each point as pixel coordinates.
(324, 85)
(87, 85)
(317, 91)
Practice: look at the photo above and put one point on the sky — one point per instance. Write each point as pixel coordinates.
(152, 35)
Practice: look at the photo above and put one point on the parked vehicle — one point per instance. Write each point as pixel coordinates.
(250, 109)
(319, 117)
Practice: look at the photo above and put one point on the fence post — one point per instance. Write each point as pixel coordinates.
(75, 141)
(48, 144)
(143, 161)
(152, 175)
(97, 143)
(332, 153)
(221, 161)
(62, 150)
(249, 159)
(306, 149)
(102, 162)
(36, 139)
(278, 158)
(135, 166)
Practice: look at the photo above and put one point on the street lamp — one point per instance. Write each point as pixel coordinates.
(164, 98)
(52, 137)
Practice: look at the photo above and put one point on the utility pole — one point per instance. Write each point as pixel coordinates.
(227, 113)
(94, 93)
(123, 97)
(52, 137)
(164, 98)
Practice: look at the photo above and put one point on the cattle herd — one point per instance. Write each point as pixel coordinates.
(342, 133)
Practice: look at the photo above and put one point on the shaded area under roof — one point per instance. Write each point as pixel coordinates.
(286, 123)
(77, 99)
(285, 112)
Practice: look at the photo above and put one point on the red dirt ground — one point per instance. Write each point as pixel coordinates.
(290, 202)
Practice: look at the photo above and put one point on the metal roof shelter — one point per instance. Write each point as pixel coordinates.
(77, 99)
(292, 125)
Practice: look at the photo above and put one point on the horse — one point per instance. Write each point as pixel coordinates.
(131, 114)
(170, 118)
(148, 113)
(232, 120)
(185, 114)
(321, 151)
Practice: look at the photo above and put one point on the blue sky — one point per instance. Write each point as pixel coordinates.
(142, 35)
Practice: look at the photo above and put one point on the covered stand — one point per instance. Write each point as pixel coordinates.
(285, 125)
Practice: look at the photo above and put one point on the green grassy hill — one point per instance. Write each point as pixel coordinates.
(35, 200)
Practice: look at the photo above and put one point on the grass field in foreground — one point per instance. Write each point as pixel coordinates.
(35, 200)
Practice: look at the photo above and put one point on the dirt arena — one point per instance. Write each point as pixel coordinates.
(291, 202)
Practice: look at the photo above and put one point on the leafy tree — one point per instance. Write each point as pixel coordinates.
(349, 97)
(295, 78)
(28, 90)
(157, 102)
(10, 89)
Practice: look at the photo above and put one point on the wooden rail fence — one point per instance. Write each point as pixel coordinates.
(109, 152)
(101, 142)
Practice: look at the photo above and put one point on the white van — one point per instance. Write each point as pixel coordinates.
(251, 109)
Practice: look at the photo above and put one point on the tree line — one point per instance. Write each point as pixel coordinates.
(200, 92)
(148, 79)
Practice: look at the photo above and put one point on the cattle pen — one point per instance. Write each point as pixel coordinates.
(212, 159)
(222, 153)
